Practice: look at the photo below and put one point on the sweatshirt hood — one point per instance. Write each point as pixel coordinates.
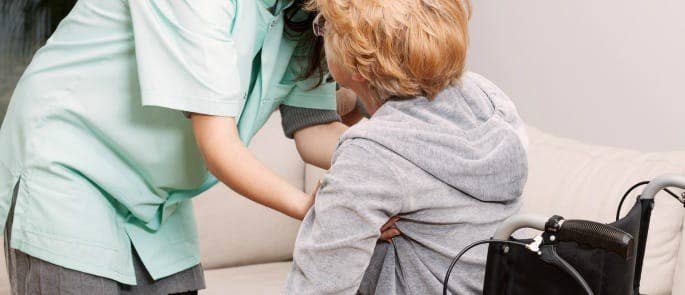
(469, 137)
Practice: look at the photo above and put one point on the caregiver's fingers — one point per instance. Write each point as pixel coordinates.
(390, 223)
(316, 188)
(387, 235)
(389, 230)
(346, 101)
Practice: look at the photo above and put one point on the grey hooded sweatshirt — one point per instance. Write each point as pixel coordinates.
(452, 169)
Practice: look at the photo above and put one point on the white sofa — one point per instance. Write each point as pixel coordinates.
(246, 248)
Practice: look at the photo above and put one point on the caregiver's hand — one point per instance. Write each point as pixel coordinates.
(389, 230)
(316, 188)
(231, 162)
(346, 101)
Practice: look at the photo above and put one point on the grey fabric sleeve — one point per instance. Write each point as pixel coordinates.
(338, 236)
(296, 118)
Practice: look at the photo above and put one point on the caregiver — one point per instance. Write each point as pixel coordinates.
(98, 160)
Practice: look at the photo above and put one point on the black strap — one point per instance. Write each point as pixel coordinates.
(647, 206)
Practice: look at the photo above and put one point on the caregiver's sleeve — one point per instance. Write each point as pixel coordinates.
(338, 235)
(294, 119)
(186, 59)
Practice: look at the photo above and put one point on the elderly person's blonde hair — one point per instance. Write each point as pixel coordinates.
(403, 48)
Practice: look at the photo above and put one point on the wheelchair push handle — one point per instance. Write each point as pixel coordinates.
(597, 235)
(580, 231)
(661, 182)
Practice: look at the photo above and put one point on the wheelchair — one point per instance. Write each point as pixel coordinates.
(573, 256)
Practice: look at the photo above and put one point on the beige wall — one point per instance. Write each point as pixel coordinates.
(608, 72)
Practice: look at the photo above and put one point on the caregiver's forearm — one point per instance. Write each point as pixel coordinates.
(232, 163)
(317, 143)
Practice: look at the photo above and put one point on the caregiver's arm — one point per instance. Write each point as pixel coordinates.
(338, 236)
(317, 143)
(232, 163)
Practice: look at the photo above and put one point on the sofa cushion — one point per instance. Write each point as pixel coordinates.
(578, 180)
(679, 284)
(236, 231)
(266, 279)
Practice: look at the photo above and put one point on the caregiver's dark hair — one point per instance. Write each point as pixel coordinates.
(298, 26)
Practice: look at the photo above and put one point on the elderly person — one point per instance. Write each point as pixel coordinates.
(444, 150)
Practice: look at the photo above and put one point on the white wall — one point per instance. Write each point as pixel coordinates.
(608, 72)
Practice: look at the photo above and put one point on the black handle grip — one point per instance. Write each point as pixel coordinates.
(597, 235)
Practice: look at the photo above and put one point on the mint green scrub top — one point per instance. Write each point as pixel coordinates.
(95, 134)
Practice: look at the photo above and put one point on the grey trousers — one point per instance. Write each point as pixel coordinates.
(31, 276)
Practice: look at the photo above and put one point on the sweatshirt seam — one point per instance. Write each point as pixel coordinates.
(403, 188)
(389, 164)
